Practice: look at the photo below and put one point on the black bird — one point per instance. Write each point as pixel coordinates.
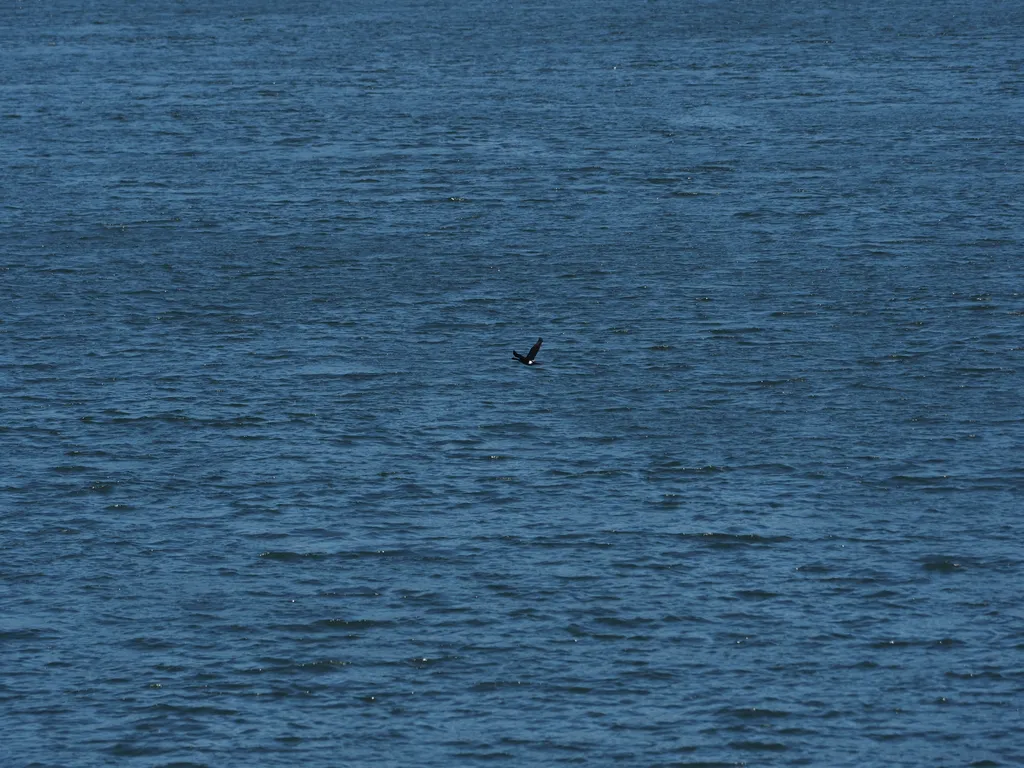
(528, 360)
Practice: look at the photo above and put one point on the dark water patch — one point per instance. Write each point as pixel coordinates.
(676, 468)
(285, 556)
(490, 686)
(23, 634)
(483, 755)
(985, 673)
(598, 474)
(759, 746)
(942, 644)
(191, 710)
(318, 667)
(983, 371)
(769, 468)
(814, 568)
(756, 594)
(780, 382)
(922, 482)
(567, 541)
(344, 594)
(64, 469)
(615, 621)
(100, 487)
(347, 627)
(944, 564)
(742, 331)
(149, 644)
(684, 193)
(730, 540)
(125, 749)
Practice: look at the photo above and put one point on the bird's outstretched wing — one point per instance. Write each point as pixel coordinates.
(536, 348)
(518, 357)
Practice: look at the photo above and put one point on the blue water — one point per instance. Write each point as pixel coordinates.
(273, 491)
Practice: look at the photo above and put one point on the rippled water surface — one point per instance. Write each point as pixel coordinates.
(273, 491)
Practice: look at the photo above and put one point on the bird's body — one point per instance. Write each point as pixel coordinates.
(528, 359)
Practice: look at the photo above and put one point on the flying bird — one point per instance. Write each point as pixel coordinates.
(528, 360)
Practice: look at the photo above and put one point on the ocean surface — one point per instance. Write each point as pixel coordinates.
(273, 491)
